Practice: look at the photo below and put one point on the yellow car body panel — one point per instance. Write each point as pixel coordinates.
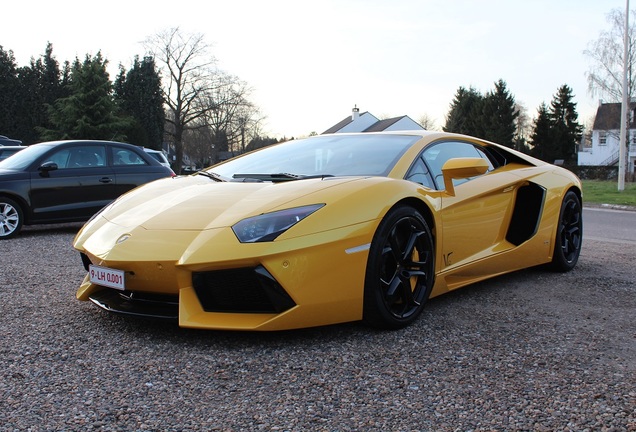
(169, 230)
(172, 255)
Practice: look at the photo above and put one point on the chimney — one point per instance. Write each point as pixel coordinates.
(355, 113)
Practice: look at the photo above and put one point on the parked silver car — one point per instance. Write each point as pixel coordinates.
(159, 155)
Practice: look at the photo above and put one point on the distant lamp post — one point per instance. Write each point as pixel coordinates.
(623, 138)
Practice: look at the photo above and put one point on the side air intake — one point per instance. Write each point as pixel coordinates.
(526, 214)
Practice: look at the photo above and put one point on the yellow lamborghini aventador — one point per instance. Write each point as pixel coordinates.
(329, 229)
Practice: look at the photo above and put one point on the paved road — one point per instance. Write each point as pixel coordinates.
(616, 226)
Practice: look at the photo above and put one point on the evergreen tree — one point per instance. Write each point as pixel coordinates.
(499, 115)
(27, 112)
(8, 93)
(260, 142)
(138, 93)
(465, 113)
(492, 116)
(567, 130)
(542, 136)
(39, 86)
(557, 131)
(89, 112)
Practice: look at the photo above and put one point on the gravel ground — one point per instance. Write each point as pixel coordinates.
(529, 351)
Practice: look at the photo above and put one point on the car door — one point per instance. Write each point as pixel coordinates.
(476, 216)
(71, 183)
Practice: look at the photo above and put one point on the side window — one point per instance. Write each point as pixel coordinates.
(437, 155)
(123, 157)
(484, 156)
(79, 157)
(419, 174)
(60, 158)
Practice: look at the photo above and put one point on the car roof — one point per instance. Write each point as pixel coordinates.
(63, 143)
(88, 141)
(436, 136)
(6, 141)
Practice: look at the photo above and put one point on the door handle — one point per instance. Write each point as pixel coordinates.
(105, 180)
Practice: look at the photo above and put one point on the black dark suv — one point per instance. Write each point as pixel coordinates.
(69, 181)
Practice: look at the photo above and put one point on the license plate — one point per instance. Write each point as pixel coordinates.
(106, 277)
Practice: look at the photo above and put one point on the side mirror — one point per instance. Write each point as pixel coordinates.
(47, 167)
(460, 168)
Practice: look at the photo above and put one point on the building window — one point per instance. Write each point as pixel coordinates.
(602, 138)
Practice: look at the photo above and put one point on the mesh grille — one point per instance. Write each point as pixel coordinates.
(248, 290)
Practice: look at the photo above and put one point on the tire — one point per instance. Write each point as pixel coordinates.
(400, 270)
(569, 235)
(11, 218)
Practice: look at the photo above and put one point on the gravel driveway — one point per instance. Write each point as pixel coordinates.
(529, 351)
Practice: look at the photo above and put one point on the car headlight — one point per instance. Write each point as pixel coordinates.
(268, 226)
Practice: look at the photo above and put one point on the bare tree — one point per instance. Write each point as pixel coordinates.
(605, 77)
(427, 122)
(588, 127)
(230, 114)
(188, 73)
(205, 105)
(523, 126)
(197, 146)
(248, 125)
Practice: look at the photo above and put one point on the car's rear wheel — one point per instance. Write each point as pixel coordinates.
(400, 270)
(569, 236)
(11, 218)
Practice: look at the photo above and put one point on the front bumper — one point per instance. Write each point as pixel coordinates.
(208, 281)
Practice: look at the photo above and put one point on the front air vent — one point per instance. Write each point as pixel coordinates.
(245, 290)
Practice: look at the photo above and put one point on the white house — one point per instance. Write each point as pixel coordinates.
(604, 148)
(367, 122)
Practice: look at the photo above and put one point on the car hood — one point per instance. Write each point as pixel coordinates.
(199, 203)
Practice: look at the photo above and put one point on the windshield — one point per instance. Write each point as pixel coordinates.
(335, 155)
(24, 158)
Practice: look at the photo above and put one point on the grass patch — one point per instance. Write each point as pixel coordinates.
(606, 192)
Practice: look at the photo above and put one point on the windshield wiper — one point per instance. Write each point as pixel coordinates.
(279, 177)
(211, 175)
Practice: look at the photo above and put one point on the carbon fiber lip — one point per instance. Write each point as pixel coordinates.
(136, 304)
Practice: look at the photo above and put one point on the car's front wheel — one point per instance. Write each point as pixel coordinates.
(11, 218)
(569, 236)
(400, 270)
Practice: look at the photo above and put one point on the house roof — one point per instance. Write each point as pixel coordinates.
(377, 126)
(335, 128)
(608, 116)
(383, 124)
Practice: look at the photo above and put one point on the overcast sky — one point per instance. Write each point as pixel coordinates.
(310, 62)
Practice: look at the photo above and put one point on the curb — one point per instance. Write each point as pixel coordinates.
(610, 206)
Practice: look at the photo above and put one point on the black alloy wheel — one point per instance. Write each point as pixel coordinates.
(569, 236)
(400, 270)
